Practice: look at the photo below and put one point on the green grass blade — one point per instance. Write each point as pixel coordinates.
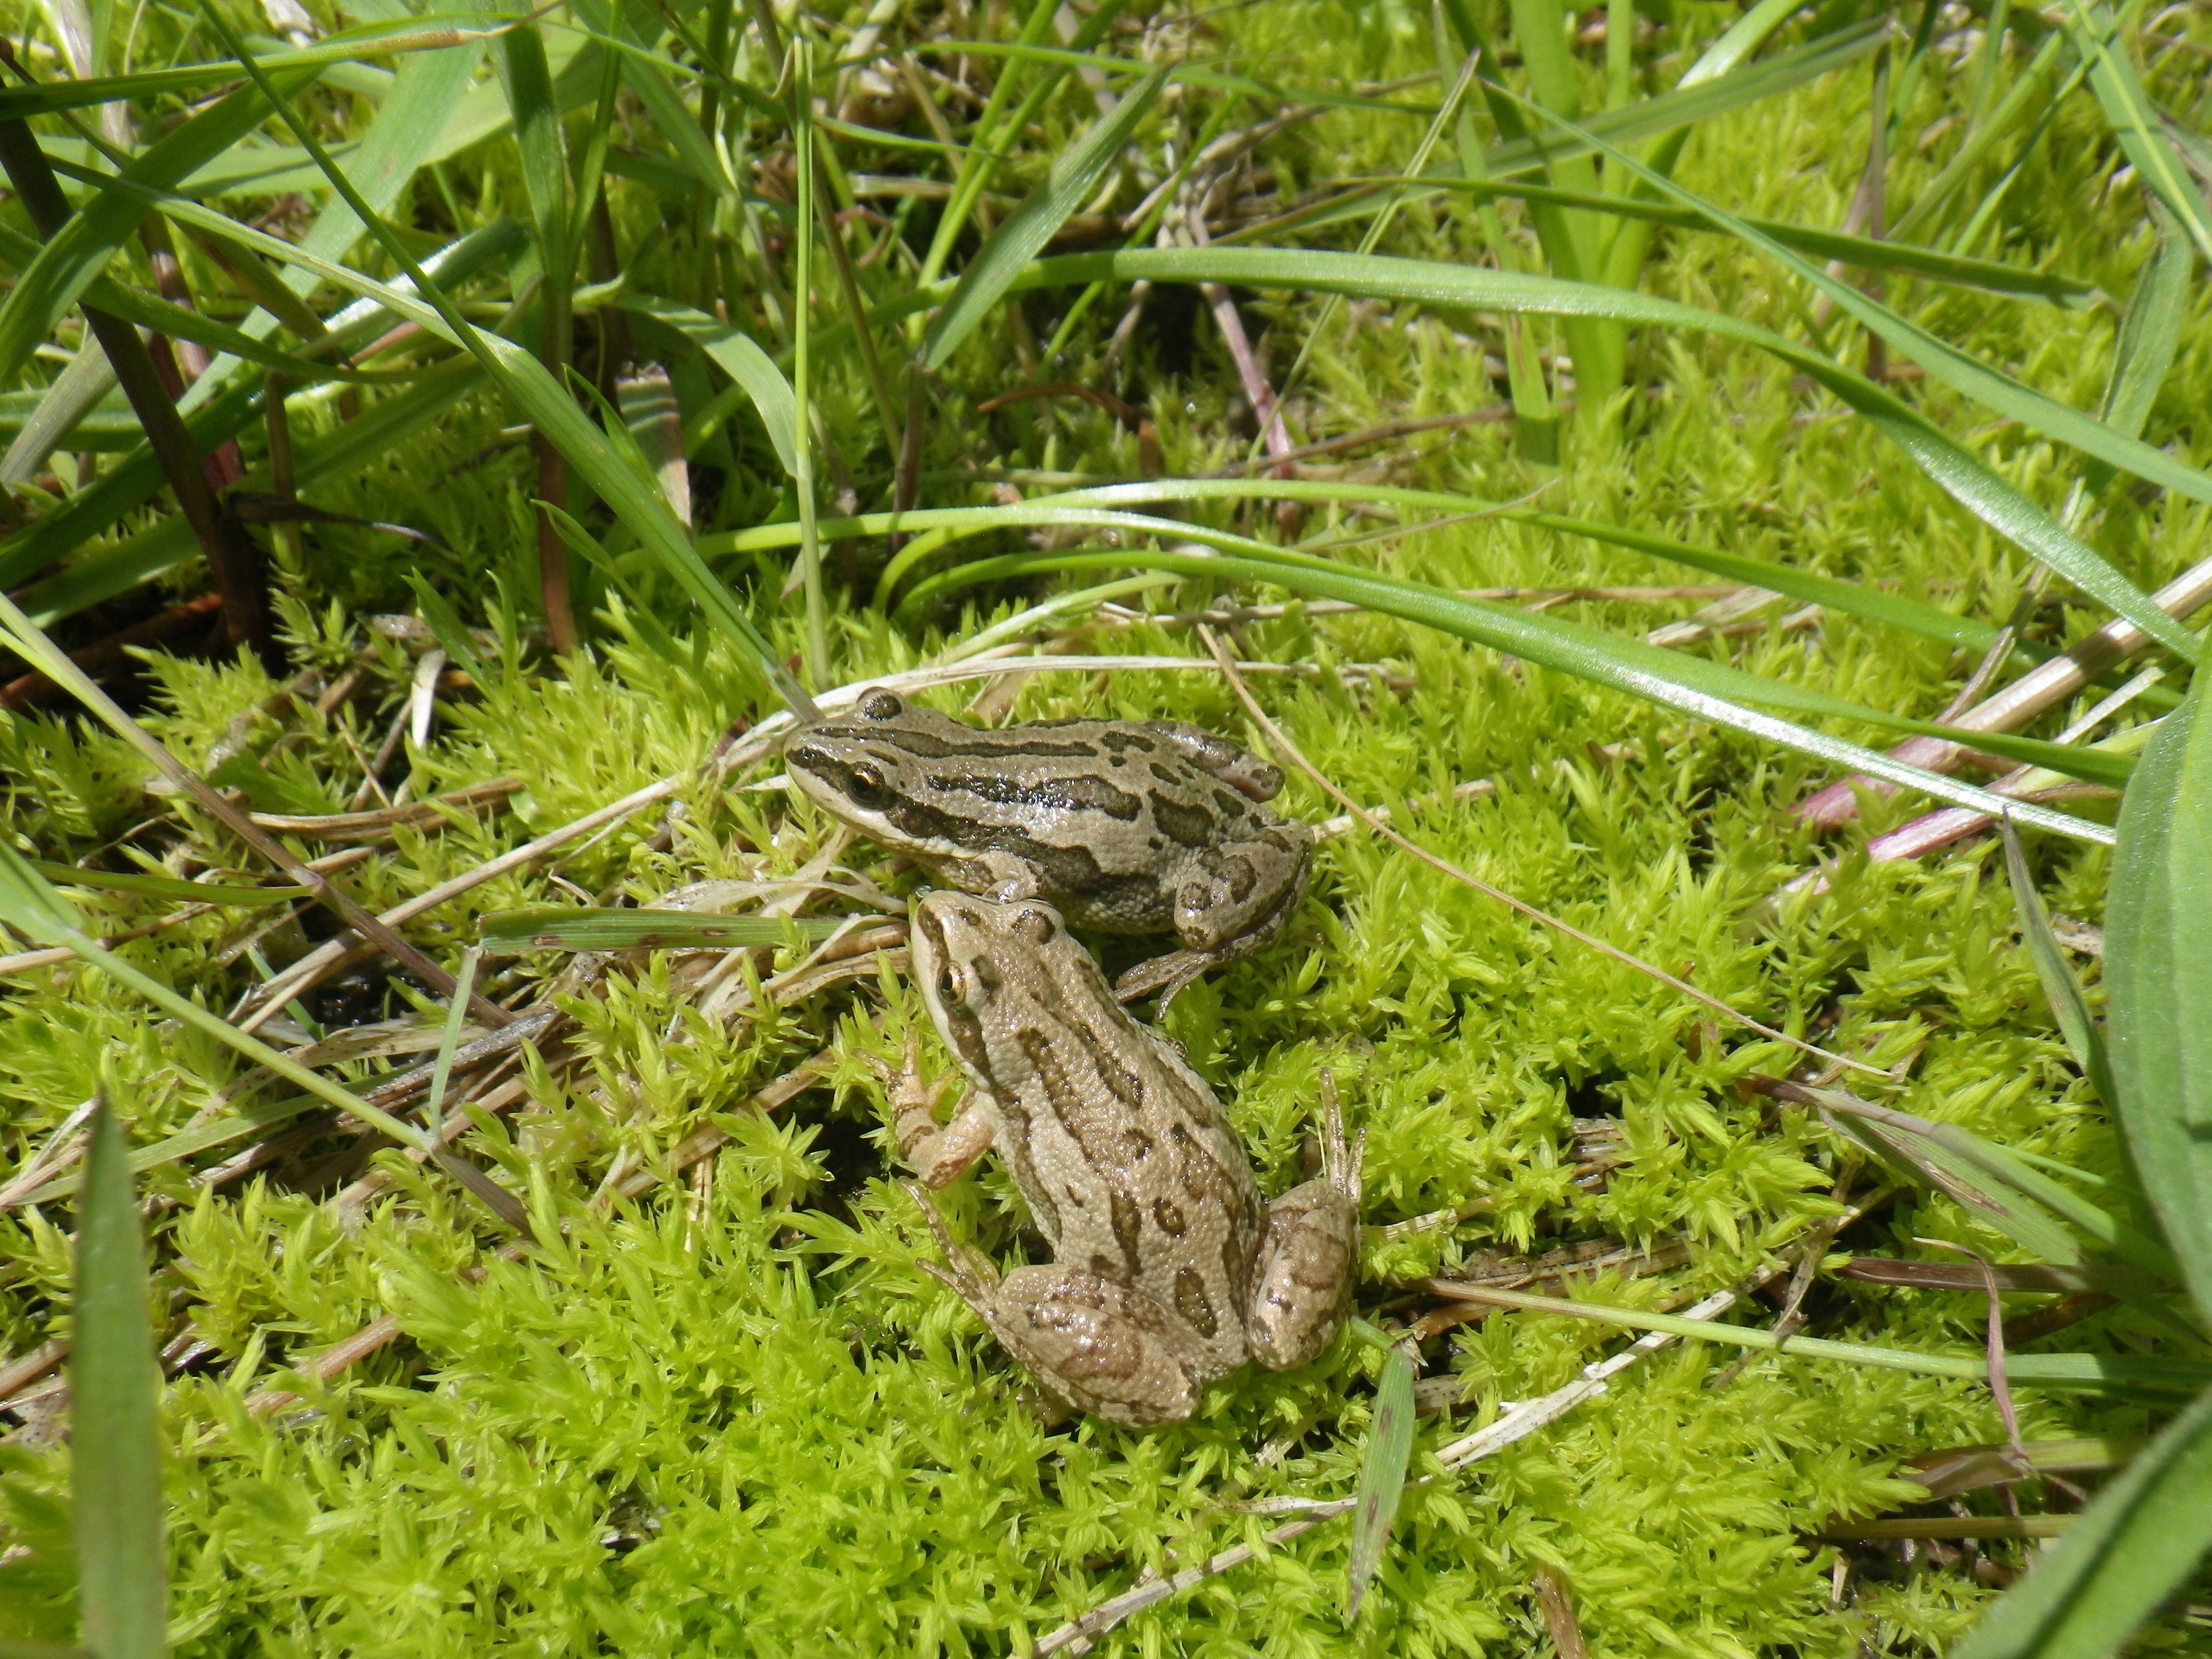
(2073, 559)
(802, 331)
(1010, 248)
(115, 1393)
(742, 358)
(166, 887)
(2091, 1372)
(244, 1119)
(2135, 121)
(1847, 598)
(432, 31)
(2019, 1176)
(457, 1009)
(1948, 464)
(528, 78)
(1681, 682)
(1382, 1475)
(2135, 1545)
(2158, 983)
(78, 253)
(1363, 197)
(424, 95)
(648, 79)
(1565, 643)
(2068, 1004)
(1687, 106)
(1924, 1158)
(73, 394)
(2149, 338)
(554, 928)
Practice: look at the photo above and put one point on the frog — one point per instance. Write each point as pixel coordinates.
(1169, 1271)
(1126, 826)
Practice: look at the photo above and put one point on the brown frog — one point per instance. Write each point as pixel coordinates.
(1129, 826)
(1168, 1269)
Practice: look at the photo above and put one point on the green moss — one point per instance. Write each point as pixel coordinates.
(736, 1416)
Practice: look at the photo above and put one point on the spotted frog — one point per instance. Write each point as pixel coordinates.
(1129, 826)
(1168, 1270)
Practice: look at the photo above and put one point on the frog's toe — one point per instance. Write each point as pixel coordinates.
(965, 1272)
(1166, 974)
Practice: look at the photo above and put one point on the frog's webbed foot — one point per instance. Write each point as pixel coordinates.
(968, 1274)
(1308, 1254)
(939, 1153)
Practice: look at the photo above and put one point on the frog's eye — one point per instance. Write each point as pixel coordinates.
(881, 706)
(866, 785)
(1033, 926)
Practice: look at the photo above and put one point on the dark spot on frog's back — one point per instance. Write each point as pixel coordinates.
(1120, 742)
(1190, 826)
(1124, 1084)
(1084, 792)
(1190, 1301)
(1171, 1219)
(1128, 1227)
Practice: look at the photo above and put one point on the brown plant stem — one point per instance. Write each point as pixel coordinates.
(223, 466)
(2024, 699)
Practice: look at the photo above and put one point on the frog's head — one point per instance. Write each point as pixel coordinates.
(968, 953)
(849, 767)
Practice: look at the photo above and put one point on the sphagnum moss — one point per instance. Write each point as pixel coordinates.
(741, 1418)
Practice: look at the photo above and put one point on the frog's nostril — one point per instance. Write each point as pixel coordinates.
(806, 755)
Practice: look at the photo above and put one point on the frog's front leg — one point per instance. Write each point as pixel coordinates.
(940, 1154)
(1309, 1255)
(1232, 901)
(1102, 1347)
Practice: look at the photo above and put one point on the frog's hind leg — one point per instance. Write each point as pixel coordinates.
(1240, 769)
(1105, 1348)
(1309, 1255)
(1219, 927)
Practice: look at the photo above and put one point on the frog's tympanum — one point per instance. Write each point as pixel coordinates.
(1168, 1269)
(1129, 826)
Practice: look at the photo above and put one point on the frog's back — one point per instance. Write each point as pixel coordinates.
(1132, 1170)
